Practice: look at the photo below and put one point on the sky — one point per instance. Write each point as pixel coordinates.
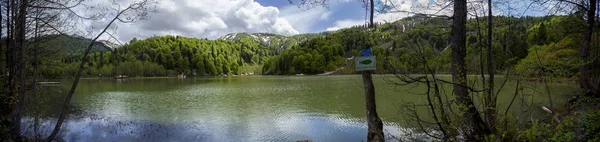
(215, 18)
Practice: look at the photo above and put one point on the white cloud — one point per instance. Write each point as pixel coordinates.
(304, 20)
(204, 19)
(382, 18)
(345, 24)
(399, 11)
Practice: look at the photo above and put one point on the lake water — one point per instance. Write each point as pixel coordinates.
(241, 108)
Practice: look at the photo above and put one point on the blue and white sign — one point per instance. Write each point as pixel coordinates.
(366, 52)
(366, 63)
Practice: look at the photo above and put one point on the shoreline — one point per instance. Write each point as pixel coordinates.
(531, 79)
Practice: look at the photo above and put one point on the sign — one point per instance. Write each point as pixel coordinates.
(366, 52)
(366, 63)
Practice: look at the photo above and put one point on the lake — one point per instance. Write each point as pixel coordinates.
(240, 108)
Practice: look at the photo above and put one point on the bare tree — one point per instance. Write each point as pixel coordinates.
(23, 27)
(20, 56)
(9, 86)
(134, 12)
(474, 126)
(375, 132)
(490, 98)
(438, 107)
(2, 67)
(588, 82)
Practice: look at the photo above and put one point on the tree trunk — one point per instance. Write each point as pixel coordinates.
(375, 130)
(490, 114)
(62, 116)
(21, 76)
(3, 67)
(8, 88)
(584, 71)
(473, 126)
(35, 52)
(85, 58)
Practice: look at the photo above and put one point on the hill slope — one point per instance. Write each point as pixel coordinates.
(396, 42)
(269, 41)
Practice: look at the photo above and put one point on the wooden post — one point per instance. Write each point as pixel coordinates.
(375, 130)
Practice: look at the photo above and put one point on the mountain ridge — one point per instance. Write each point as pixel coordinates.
(270, 40)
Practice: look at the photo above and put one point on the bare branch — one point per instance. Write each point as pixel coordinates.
(60, 5)
(513, 99)
(134, 6)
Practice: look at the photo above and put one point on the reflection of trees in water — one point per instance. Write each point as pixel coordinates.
(45, 103)
(101, 128)
(221, 107)
(43, 108)
(97, 128)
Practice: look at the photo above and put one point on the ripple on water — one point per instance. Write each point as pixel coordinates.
(273, 109)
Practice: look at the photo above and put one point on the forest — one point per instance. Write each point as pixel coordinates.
(163, 55)
(524, 41)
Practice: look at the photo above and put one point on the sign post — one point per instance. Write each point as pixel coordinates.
(375, 126)
(366, 62)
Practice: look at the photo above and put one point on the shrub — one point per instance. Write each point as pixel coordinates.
(555, 59)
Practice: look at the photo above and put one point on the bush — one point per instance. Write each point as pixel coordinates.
(582, 125)
(591, 125)
(537, 132)
(555, 59)
(565, 131)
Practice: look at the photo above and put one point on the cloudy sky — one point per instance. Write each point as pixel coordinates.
(214, 18)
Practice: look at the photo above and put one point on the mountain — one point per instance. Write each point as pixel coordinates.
(109, 44)
(269, 40)
(69, 44)
(66, 48)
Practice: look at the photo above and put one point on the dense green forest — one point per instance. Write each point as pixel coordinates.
(525, 45)
(529, 44)
(158, 56)
(233, 54)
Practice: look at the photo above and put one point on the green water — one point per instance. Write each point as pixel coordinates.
(241, 108)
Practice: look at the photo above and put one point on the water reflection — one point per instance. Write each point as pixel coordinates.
(316, 128)
(259, 108)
